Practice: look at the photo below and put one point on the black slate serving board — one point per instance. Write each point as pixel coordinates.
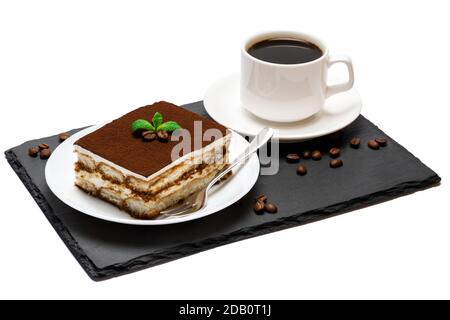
(105, 249)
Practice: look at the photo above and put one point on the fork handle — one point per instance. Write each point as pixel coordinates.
(258, 141)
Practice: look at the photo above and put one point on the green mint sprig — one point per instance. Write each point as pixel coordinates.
(168, 126)
(157, 119)
(141, 125)
(156, 125)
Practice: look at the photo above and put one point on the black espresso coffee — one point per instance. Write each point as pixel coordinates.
(285, 51)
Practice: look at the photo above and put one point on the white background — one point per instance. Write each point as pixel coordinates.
(68, 64)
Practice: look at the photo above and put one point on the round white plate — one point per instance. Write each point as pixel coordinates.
(60, 176)
(222, 102)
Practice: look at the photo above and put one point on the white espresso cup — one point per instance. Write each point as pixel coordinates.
(288, 92)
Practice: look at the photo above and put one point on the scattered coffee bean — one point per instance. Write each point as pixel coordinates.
(301, 170)
(261, 198)
(148, 135)
(373, 145)
(163, 135)
(270, 208)
(258, 207)
(292, 157)
(336, 163)
(45, 153)
(381, 141)
(33, 151)
(335, 152)
(306, 154)
(63, 136)
(316, 155)
(355, 142)
(43, 146)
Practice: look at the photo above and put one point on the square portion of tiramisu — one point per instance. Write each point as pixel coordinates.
(140, 164)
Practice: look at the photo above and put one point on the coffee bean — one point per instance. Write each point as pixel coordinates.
(335, 152)
(355, 142)
(301, 170)
(148, 135)
(261, 198)
(316, 155)
(373, 145)
(270, 208)
(258, 207)
(381, 141)
(43, 146)
(45, 153)
(33, 151)
(162, 135)
(336, 163)
(306, 154)
(63, 136)
(292, 157)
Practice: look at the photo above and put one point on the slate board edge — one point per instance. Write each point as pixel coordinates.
(146, 261)
(59, 227)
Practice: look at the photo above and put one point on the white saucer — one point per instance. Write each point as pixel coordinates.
(60, 176)
(222, 102)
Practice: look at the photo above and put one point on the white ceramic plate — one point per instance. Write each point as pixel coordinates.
(222, 102)
(59, 173)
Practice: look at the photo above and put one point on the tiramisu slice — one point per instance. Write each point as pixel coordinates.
(136, 163)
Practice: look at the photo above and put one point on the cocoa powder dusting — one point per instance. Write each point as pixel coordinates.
(115, 142)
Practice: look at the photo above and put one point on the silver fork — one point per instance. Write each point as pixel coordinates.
(198, 199)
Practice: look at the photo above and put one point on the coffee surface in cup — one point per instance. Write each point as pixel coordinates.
(285, 51)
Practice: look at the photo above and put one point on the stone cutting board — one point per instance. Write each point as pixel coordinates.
(105, 249)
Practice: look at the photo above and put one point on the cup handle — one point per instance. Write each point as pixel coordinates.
(331, 90)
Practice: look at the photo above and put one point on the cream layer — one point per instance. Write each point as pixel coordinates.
(211, 154)
(139, 205)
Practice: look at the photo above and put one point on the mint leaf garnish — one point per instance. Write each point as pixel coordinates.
(154, 126)
(168, 126)
(157, 119)
(141, 125)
